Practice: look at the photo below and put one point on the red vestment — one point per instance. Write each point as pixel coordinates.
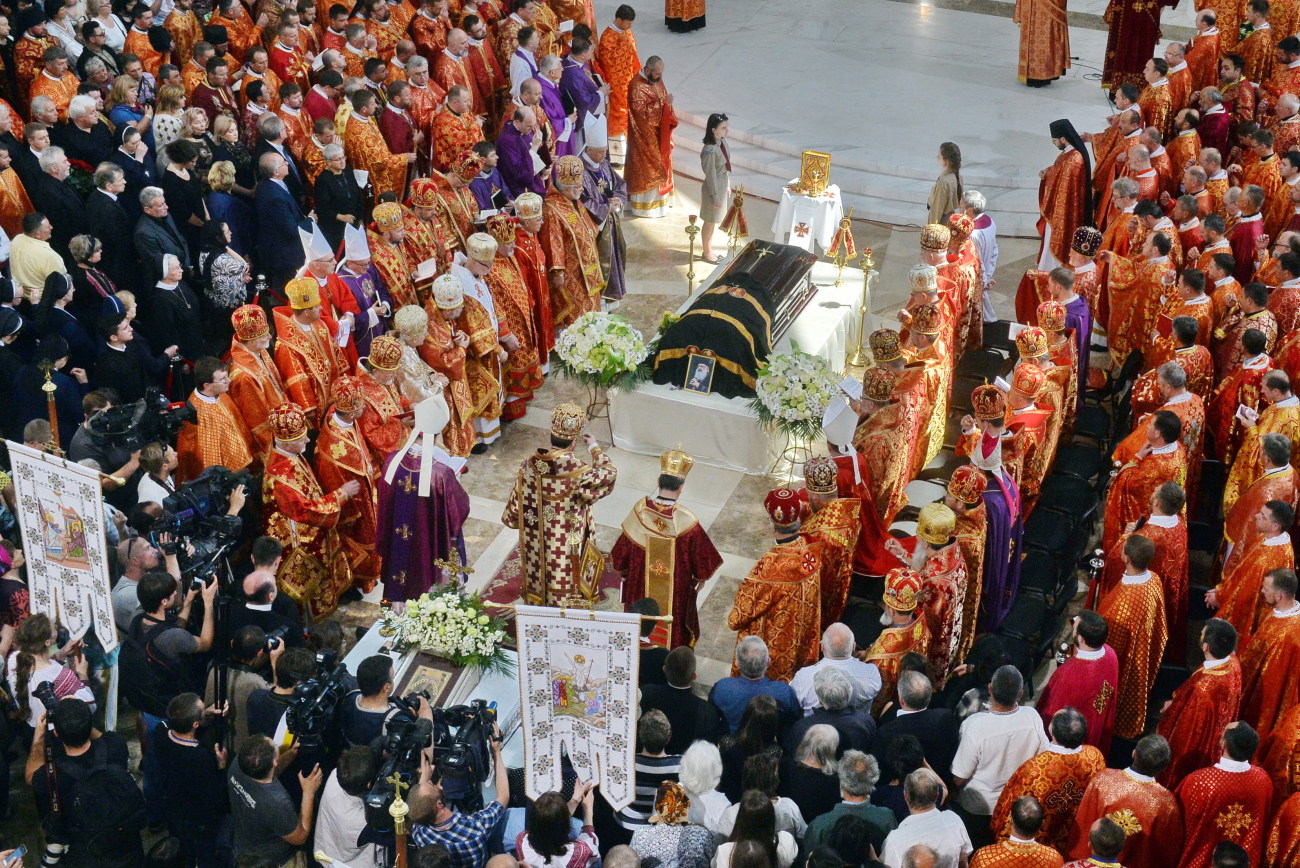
(1284, 302)
(256, 388)
(314, 572)
(1138, 632)
(532, 265)
(1170, 563)
(1194, 721)
(309, 362)
(1148, 813)
(1056, 778)
(1130, 492)
(780, 602)
(1279, 755)
(1270, 671)
(1283, 847)
(664, 553)
(1061, 201)
(835, 527)
(1135, 289)
(366, 149)
(1242, 386)
(341, 455)
(1220, 805)
(1195, 361)
(619, 63)
(1087, 684)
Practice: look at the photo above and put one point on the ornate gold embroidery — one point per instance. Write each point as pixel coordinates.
(1234, 821)
(1103, 697)
(1127, 821)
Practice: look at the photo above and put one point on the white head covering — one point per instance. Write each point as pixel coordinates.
(355, 245)
(314, 245)
(991, 463)
(839, 422)
(598, 135)
(431, 416)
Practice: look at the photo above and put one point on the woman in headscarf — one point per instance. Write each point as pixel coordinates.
(671, 840)
(1064, 195)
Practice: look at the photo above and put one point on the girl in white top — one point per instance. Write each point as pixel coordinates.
(114, 29)
(62, 25)
(36, 662)
(756, 824)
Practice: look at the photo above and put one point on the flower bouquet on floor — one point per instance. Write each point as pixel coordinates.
(445, 622)
(602, 351)
(792, 391)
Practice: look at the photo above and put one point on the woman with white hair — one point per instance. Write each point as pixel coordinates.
(810, 781)
(700, 773)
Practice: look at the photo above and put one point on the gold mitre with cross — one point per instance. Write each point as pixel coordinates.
(675, 463)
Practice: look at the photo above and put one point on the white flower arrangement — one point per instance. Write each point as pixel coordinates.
(446, 623)
(600, 349)
(792, 391)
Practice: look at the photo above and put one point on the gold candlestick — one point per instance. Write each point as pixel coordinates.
(691, 231)
(861, 357)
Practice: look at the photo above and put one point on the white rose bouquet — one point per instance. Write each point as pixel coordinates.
(601, 349)
(792, 391)
(446, 623)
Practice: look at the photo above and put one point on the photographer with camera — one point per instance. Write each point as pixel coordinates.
(465, 836)
(91, 810)
(137, 557)
(365, 712)
(342, 816)
(193, 779)
(262, 605)
(218, 435)
(268, 825)
(266, 708)
(116, 456)
(250, 668)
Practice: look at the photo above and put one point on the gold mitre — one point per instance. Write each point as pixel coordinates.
(935, 237)
(387, 216)
(303, 293)
(936, 524)
(568, 170)
(675, 463)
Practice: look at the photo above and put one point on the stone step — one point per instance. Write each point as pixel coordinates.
(893, 195)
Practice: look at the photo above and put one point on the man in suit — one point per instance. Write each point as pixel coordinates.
(936, 728)
(274, 139)
(55, 198)
(108, 221)
(156, 234)
(279, 251)
(262, 606)
(85, 137)
(690, 716)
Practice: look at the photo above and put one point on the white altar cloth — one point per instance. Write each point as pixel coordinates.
(808, 218)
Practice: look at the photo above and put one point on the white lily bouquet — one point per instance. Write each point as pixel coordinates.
(601, 349)
(792, 392)
(447, 623)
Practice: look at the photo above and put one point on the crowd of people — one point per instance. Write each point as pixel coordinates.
(335, 246)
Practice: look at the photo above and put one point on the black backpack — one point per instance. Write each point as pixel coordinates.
(149, 681)
(107, 811)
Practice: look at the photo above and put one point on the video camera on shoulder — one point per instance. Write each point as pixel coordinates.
(311, 712)
(195, 514)
(131, 426)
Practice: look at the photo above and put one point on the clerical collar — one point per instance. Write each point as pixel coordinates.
(665, 501)
(1090, 653)
(207, 399)
(1138, 776)
(1251, 219)
(1159, 259)
(1074, 296)
(340, 421)
(1226, 280)
(395, 110)
(1216, 110)
(1220, 175)
(352, 48)
(1282, 539)
(50, 77)
(121, 348)
(289, 110)
(1160, 82)
(1134, 133)
(1288, 402)
(1129, 209)
(1024, 409)
(305, 326)
(1061, 749)
(1232, 765)
(1191, 224)
(1211, 31)
(1140, 579)
(1295, 281)
(1212, 664)
(1157, 152)
(286, 454)
(1255, 362)
(258, 607)
(1018, 840)
(1273, 471)
(1288, 613)
(1166, 521)
(1264, 26)
(1200, 299)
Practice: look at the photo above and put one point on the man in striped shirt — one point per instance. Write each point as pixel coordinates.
(653, 766)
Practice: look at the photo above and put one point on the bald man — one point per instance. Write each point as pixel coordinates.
(519, 146)
(837, 652)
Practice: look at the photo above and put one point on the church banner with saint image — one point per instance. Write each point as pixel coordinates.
(61, 513)
(578, 672)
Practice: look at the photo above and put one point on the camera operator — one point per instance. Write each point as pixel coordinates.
(113, 458)
(266, 708)
(138, 556)
(267, 824)
(262, 605)
(342, 815)
(251, 668)
(193, 779)
(464, 835)
(365, 712)
(101, 829)
(169, 652)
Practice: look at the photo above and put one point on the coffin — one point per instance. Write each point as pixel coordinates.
(736, 320)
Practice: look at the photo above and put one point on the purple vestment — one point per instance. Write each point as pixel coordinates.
(1001, 549)
(368, 289)
(1077, 317)
(579, 90)
(553, 107)
(600, 184)
(436, 522)
(484, 188)
(515, 150)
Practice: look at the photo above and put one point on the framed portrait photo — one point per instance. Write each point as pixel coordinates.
(699, 373)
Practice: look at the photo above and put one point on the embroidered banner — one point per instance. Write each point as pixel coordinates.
(61, 513)
(578, 672)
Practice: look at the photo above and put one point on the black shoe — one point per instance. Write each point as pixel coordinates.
(351, 595)
(479, 449)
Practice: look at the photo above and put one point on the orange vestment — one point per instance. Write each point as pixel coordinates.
(381, 429)
(569, 239)
(453, 135)
(649, 167)
(1281, 418)
(14, 203)
(309, 362)
(780, 602)
(887, 652)
(836, 527)
(1130, 492)
(366, 149)
(1061, 202)
(1135, 289)
(1138, 632)
(341, 454)
(617, 55)
(1238, 590)
(440, 352)
(522, 371)
(1147, 812)
(1057, 777)
(256, 389)
(1016, 854)
(221, 437)
(1270, 670)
